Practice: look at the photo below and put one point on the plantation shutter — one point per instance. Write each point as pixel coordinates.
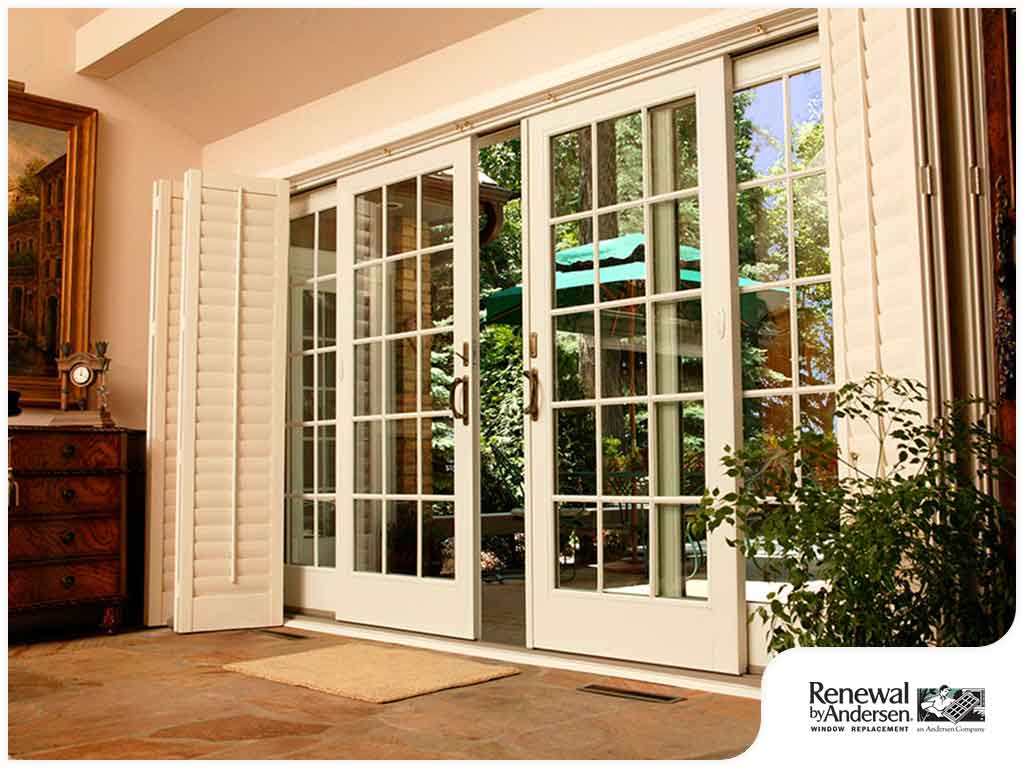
(875, 200)
(162, 414)
(229, 568)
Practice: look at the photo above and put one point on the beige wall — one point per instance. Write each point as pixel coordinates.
(519, 50)
(135, 147)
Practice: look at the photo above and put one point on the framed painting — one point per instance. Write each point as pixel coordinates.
(51, 170)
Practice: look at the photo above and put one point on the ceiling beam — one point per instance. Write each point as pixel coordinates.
(121, 37)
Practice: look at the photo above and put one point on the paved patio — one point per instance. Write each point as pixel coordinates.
(154, 694)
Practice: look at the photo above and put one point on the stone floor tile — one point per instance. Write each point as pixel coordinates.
(158, 694)
(367, 751)
(264, 749)
(296, 702)
(239, 728)
(57, 733)
(375, 740)
(127, 749)
(25, 684)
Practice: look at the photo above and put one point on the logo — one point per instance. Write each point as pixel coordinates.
(953, 705)
(884, 709)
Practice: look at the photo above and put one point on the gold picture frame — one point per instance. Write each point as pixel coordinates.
(76, 228)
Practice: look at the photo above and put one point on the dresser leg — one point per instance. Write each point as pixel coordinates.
(111, 619)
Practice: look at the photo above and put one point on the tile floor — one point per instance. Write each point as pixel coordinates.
(154, 694)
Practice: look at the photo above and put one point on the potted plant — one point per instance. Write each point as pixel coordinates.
(909, 548)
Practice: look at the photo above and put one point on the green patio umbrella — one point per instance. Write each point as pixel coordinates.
(620, 263)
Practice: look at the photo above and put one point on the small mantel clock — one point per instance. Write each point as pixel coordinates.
(82, 370)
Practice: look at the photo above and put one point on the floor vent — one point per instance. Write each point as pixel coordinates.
(278, 633)
(626, 693)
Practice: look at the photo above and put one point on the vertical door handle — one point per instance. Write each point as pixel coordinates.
(533, 405)
(464, 381)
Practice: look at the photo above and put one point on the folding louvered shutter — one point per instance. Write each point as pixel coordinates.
(229, 570)
(162, 415)
(874, 198)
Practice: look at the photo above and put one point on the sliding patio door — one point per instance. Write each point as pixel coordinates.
(632, 298)
(407, 391)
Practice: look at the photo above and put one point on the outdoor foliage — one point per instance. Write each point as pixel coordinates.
(501, 432)
(908, 553)
(501, 383)
(501, 260)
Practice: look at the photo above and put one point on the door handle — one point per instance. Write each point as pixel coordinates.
(533, 405)
(464, 381)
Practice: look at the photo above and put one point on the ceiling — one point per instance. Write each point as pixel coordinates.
(80, 16)
(252, 64)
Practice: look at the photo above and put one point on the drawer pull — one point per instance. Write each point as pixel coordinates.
(67, 581)
(68, 451)
(68, 537)
(68, 494)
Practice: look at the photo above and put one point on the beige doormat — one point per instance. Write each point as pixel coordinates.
(371, 672)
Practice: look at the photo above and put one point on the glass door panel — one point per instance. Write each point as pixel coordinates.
(312, 403)
(631, 298)
(408, 334)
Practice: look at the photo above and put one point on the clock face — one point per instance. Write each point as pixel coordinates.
(81, 375)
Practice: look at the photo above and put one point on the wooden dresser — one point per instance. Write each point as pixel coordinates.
(76, 519)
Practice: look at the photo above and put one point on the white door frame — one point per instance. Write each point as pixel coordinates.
(707, 634)
(433, 605)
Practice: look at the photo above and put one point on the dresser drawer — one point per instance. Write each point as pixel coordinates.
(65, 451)
(70, 495)
(37, 584)
(55, 539)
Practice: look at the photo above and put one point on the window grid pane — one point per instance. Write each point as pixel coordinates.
(787, 347)
(404, 367)
(608, 282)
(309, 499)
(787, 339)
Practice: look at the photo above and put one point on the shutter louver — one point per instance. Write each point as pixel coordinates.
(875, 200)
(231, 429)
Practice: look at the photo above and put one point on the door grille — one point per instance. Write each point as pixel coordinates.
(626, 693)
